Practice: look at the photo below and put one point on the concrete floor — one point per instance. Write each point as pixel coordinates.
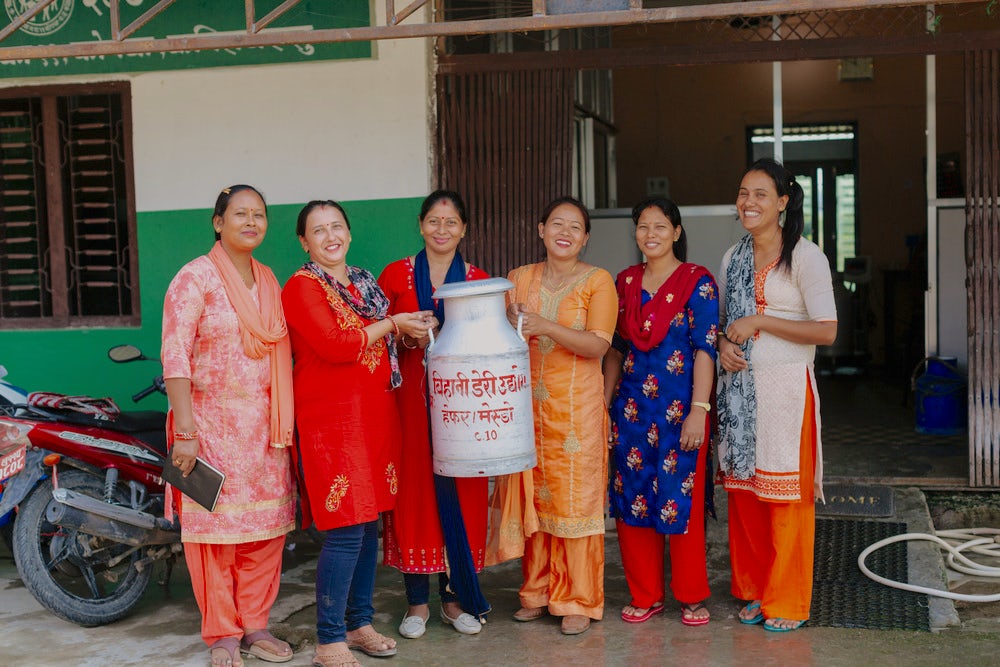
(164, 630)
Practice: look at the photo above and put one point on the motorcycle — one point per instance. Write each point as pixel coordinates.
(9, 395)
(86, 480)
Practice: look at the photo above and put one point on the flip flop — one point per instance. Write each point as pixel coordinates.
(758, 618)
(690, 609)
(774, 628)
(248, 645)
(642, 618)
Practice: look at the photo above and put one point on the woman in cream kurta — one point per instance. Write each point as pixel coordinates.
(777, 306)
(569, 310)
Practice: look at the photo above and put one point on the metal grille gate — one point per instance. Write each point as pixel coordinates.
(982, 256)
(505, 142)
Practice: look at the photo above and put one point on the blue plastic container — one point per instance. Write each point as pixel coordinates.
(940, 397)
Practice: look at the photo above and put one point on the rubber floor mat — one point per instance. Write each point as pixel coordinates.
(843, 597)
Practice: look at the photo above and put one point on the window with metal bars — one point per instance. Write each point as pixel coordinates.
(67, 207)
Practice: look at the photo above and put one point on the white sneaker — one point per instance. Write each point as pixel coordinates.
(465, 623)
(413, 627)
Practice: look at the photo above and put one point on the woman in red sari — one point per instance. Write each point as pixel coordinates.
(432, 512)
(343, 342)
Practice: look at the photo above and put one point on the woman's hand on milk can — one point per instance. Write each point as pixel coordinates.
(532, 324)
(415, 324)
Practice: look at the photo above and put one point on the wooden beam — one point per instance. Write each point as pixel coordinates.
(714, 54)
(116, 19)
(395, 19)
(274, 14)
(146, 17)
(445, 28)
(19, 21)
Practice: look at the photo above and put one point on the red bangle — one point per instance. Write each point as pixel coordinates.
(395, 327)
(185, 435)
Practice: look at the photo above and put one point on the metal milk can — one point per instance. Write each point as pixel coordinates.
(478, 385)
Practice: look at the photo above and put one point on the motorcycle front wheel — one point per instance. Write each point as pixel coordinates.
(83, 579)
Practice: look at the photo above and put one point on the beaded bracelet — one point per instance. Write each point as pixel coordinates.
(395, 327)
(185, 435)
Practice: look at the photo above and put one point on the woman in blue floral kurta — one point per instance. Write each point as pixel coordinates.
(658, 381)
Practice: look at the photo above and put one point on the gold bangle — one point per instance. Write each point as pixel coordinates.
(707, 407)
(185, 435)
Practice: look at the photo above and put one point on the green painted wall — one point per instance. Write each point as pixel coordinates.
(74, 361)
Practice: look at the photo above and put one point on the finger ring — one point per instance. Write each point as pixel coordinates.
(697, 440)
(177, 462)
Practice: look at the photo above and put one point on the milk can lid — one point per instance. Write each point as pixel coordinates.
(473, 288)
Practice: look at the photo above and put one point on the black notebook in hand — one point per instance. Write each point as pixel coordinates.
(203, 485)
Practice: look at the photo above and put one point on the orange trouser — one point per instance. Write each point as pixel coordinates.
(771, 543)
(642, 554)
(235, 585)
(565, 574)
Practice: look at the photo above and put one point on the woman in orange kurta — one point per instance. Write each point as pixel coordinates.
(415, 542)
(227, 367)
(568, 310)
(343, 341)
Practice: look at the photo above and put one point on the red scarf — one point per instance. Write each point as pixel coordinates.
(645, 326)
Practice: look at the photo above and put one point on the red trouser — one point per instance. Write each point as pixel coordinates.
(642, 554)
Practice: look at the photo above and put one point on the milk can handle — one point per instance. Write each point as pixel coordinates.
(520, 325)
(430, 332)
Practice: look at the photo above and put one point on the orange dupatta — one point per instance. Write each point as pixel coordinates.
(264, 332)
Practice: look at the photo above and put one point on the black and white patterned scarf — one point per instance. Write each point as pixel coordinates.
(737, 398)
(373, 305)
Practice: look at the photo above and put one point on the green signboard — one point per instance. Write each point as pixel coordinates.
(81, 21)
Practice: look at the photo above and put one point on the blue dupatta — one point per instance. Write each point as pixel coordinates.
(462, 580)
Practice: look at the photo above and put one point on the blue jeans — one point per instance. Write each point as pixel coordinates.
(418, 588)
(345, 581)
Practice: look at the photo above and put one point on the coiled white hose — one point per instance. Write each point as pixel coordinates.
(969, 540)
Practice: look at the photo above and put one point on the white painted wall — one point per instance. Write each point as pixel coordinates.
(349, 129)
(952, 301)
(710, 231)
(344, 129)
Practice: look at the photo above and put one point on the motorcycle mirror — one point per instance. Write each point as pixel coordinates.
(122, 353)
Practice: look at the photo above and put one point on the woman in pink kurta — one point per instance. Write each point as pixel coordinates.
(231, 408)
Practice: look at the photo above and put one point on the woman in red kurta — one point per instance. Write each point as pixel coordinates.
(415, 543)
(343, 343)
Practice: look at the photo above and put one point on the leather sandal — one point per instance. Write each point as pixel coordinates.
(339, 658)
(526, 614)
(368, 642)
(249, 646)
(230, 645)
(575, 624)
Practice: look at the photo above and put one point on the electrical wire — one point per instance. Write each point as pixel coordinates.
(969, 539)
